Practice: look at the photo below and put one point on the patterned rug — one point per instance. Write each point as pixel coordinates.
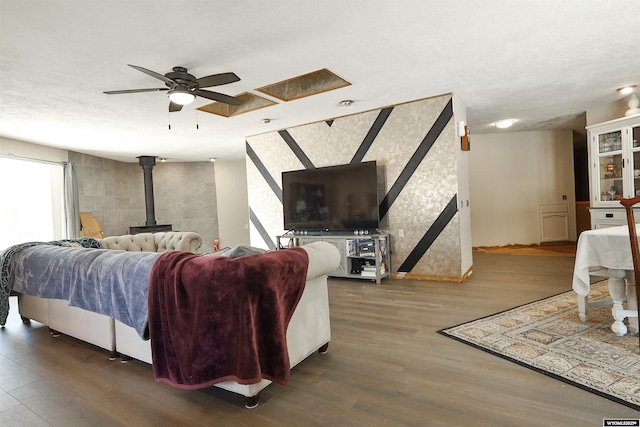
(547, 336)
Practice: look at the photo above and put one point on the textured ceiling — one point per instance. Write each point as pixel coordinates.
(542, 62)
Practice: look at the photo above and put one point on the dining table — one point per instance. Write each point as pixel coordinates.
(606, 252)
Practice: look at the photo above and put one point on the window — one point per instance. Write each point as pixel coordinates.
(32, 202)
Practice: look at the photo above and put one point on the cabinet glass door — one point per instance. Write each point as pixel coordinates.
(610, 141)
(635, 150)
(610, 158)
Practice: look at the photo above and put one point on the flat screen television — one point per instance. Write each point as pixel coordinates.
(337, 199)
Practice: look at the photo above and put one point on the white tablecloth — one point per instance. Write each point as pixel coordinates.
(606, 247)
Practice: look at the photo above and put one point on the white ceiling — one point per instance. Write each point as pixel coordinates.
(542, 62)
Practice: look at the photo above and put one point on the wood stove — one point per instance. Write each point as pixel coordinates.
(147, 163)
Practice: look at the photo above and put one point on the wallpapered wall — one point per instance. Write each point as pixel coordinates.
(415, 146)
(184, 193)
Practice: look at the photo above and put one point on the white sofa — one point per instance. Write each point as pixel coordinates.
(84, 325)
(91, 327)
(309, 329)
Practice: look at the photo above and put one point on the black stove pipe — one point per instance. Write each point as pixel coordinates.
(147, 163)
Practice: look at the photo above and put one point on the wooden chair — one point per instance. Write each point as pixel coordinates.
(635, 252)
(91, 226)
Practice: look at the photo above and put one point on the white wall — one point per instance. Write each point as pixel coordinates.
(510, 175)
(464, 195)
(232, 201)
(10, 147)
(606, 112)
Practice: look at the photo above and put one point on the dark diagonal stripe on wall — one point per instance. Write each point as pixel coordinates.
(371, 135)
(417, 158)
(261, 230)
(296, 149)
(430, 236)
(264, 172)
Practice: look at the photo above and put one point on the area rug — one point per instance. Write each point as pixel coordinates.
(548, 337)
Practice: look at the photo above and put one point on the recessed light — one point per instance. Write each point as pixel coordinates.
(626, 90)
(265, 121)
(502, 124)
(346, 102)
(212, 159)
(163, 159)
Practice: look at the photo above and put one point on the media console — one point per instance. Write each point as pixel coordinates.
(362, 256)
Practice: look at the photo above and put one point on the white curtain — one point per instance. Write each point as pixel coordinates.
(71, 204)
(31, 207)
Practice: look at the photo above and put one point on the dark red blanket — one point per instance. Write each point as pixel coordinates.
(214, 319)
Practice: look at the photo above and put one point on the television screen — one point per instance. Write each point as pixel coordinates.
(334, 198)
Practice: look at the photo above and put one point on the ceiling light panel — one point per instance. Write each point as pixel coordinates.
(626, 90)
(503, 124)
(251, 102)
(305, 85)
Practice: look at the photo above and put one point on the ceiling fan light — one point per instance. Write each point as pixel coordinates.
(181, 97)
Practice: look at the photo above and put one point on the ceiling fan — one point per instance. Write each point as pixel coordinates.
(183, 87)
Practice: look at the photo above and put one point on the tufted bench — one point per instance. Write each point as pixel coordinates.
(154, 242)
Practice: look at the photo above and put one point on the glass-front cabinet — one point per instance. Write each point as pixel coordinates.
(615, 160)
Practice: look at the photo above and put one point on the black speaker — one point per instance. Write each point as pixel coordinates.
(356, 265)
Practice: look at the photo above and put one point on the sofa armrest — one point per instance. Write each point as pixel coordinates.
(323, 259)
(187, 241)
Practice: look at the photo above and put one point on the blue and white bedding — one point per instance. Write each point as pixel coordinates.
(110, 282)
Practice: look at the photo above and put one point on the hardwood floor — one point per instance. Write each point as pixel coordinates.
(386, 366)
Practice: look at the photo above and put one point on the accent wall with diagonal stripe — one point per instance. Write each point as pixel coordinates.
(423, 189)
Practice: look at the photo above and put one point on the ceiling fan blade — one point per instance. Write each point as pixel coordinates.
(217, 79)
(173, 107)
(154, 74)
(115, 92)
(220, 97)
